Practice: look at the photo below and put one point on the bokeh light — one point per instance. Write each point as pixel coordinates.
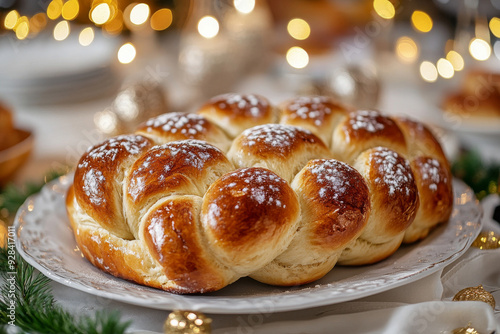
(244, 6)
(479, 49)
(115, 25)
(70, 10)
(428, 71)
(161, 19)
(208, 27)
(297, 57)
(384, 8)
(298, 29)
(86, 36)
(22, 27)
(101, 13)
(495, 26)
(106, 120)
(126, 53)
(10, 19)
(445, 68)
(139, 14)
(456, 60)
(421, 21)
(406, 49)
(38, 22)
(61, 31)
(54, 9)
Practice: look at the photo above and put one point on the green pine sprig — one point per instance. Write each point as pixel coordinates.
(36, 311)
(482, 178)
(13, 196)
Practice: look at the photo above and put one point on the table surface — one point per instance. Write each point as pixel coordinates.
(64, 131)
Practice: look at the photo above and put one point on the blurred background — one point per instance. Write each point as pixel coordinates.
(211, 45)
(75, 71)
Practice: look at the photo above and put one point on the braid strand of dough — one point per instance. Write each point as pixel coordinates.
(191, 202)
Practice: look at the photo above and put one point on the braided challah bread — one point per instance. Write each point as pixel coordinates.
(193, 201)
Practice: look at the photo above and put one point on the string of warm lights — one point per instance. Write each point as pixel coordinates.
(299, 30)
(102, 14)
(113, 20)
(408, 51)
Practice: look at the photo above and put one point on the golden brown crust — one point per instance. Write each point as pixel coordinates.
(420, 140)
(393, 189)
(98, 180)
(133, 260)
(282, 148)
(365, 129)
(335, 207)
(339, 201)
(249, 216)
(172, 236)
(180, 126)
(122, 258)
(237, 112)
(432, 177)
(394, 203)
(180, 167)
(179, 217)
(318, 114)
(434, 183)
(363, 252)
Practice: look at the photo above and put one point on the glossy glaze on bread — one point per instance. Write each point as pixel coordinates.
(192, 202)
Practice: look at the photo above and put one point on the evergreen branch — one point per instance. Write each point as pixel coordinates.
(13, 196)
(36, 310)
(483, 179)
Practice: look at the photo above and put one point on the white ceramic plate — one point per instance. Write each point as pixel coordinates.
(45, 240)
(45, 71)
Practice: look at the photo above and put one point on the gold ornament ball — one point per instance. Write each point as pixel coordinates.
(475, 294)
(487, 240)
(187, 322)
(465, 330)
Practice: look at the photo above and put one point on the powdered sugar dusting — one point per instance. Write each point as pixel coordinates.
(163, 161)
(189, 125)
(102, 157)
(259, 185)
(249, 105)
(332, 176)
(110, 149)
(430, 172)
(265, 186)
(192, 152)
(366, 120)
(92, 186)
(314, 109)
(394, 171)
(279, 137)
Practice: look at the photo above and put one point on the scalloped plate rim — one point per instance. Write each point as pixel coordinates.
(317, 295)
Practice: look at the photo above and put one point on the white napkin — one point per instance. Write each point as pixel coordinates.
(428, 317)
